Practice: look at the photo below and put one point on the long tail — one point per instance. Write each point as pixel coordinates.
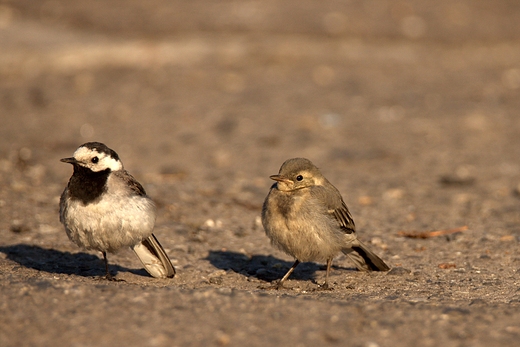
(154, 258)
(365, 259)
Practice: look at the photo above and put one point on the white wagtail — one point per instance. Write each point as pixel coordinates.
(104, 208)
(305, 216)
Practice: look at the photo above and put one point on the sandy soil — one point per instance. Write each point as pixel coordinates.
(410, 109)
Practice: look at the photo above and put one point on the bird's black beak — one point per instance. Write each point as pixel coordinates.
(69, 160)
(280, 178)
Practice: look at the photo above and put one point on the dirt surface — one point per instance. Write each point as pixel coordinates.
(411, 110)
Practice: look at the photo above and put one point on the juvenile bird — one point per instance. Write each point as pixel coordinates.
(104, 208)
(305, 216)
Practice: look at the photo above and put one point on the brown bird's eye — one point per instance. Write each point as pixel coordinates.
(95, 160)
(299, 177)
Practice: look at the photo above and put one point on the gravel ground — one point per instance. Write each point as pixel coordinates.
(410, 110)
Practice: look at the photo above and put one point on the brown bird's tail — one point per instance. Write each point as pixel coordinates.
(365, 259)
(154, 258)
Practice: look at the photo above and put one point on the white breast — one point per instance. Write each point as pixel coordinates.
(112, 223)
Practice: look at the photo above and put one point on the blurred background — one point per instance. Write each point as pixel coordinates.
(410, 108)
(396, 101)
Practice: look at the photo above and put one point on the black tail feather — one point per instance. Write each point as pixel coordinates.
(373, 261)
(365, 259)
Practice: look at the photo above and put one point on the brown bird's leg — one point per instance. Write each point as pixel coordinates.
(286, 276)
(325, 285)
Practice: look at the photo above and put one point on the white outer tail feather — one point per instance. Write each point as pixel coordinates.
(154, 258)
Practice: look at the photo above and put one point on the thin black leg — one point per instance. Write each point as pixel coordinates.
(108, 275)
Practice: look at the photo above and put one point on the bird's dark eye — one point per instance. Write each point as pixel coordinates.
(95, 160)
(299, 177)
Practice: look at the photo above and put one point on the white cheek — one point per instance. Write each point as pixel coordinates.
(112, 164)
(106, 163)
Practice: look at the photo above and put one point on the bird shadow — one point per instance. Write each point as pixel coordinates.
(265, 268)
(58, 262)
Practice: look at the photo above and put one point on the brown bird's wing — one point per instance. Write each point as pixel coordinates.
(358, 252)
(344, 218)
(361, 256)
(336, 207)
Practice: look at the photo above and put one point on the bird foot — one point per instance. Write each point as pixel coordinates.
(274, 286)
(111, 278)
(325, 286)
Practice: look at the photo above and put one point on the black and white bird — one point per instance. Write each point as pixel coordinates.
(104, 208)
(305, 216)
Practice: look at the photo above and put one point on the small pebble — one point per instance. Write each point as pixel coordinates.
(18, 226)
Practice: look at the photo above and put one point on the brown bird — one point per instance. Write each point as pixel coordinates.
(305, 216)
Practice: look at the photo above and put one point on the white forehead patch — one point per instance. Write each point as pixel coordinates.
(85, 155)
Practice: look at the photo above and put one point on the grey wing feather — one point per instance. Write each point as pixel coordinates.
(130, 181)
(63, 205)
(149, 251)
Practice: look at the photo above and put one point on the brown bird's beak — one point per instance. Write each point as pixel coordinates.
(69, 160)
(279, 178)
